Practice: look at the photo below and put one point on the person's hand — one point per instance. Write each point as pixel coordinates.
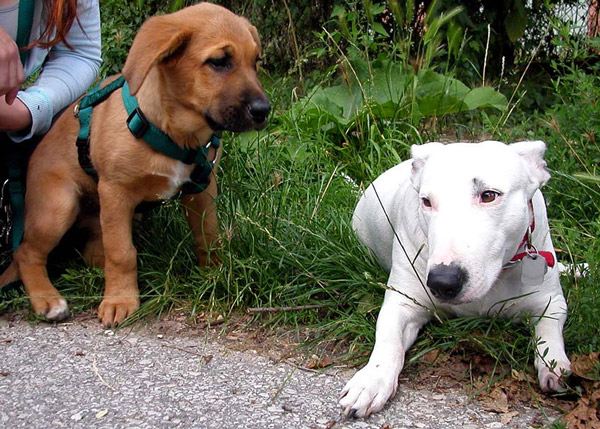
(11, 69)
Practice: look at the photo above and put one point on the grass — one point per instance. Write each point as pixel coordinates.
(285, 211)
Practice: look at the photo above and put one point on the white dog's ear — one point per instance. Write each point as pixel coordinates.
(532, 153)
(420, 153)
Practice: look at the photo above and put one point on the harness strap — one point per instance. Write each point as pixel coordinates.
(142, 128)
(16, 187)
(24, 27)
(84, 111)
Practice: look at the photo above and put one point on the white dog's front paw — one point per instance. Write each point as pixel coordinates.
(368, 391)
(551, 379)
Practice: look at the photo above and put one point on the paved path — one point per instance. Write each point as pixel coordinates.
(77, 375)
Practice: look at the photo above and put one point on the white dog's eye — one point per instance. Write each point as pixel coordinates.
(426, 202)
(488, 196)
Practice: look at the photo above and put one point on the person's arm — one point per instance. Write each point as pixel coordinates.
(66, 74)
(13, 117)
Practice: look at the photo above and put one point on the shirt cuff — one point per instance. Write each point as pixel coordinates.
(41, 114)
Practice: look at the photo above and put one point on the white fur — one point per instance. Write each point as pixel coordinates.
(178, 175)
(59, 311)
(460, 229)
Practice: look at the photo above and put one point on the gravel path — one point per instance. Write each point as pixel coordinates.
(77, 375)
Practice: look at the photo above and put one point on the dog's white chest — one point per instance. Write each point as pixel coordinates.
(178, 174)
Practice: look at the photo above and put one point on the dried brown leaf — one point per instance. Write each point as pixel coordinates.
(495, 400)
(583, 365)
(507, 418)
(319, 362)
(586, 414)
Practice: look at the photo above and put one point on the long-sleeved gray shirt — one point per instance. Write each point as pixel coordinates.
(65, 73)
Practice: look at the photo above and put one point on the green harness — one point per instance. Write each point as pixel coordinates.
(143, 129)
(17, 159)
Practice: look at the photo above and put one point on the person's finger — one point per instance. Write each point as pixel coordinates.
(11, 96)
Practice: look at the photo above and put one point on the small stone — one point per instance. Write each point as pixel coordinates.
(78, 416)
(101, 414)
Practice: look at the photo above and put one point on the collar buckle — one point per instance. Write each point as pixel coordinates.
(137, 123)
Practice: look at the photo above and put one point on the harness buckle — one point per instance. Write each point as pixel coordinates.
(137, 123)
(76, 110)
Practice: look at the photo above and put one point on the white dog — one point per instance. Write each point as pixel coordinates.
(461, 229)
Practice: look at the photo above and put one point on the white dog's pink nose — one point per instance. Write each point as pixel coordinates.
(446, 281)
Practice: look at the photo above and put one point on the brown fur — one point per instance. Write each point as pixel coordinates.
(178, 89)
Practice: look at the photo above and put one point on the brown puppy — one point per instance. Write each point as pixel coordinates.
(194, 72)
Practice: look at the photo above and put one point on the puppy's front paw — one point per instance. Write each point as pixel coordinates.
(551, 379)
(113, 310)
(368, 391)
(53, 308)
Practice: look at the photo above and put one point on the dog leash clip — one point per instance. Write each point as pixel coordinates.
(529, 247)
(533, 266)
(208, 146)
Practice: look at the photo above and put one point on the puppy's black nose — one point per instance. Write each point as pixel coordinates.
(259, 109)
(446, 281)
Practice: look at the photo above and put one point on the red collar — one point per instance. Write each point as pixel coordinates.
(529, 248)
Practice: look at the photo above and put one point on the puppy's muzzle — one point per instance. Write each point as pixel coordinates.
(258, 109)
(250, 113)
(446, 281)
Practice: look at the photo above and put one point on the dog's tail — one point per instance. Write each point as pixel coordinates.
(9, 275)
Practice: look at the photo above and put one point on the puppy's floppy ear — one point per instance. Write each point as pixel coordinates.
(255, 35)
(532, 154)
(159, 38)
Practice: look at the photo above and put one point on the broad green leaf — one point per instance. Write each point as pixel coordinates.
(431, 84)
(485, 96)
(515, 22)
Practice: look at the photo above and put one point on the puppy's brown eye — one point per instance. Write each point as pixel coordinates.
(488, 196)
(426, 202)
(220, 63)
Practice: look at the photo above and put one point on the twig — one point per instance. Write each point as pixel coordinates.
(303, 368)
(487, 49)
(184, 350)
(95, 368)
(278, 309)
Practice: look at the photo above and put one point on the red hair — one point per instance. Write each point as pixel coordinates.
(60, 17)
